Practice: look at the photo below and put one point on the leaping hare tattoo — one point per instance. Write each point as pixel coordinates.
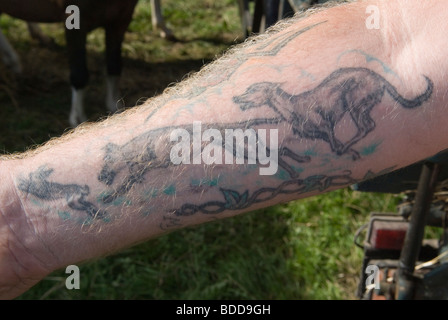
(75, 195)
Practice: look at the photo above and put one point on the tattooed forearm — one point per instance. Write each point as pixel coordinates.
(352, 91)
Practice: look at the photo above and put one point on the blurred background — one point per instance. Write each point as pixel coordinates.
(300, 250)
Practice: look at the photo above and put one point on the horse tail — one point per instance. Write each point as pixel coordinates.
(417, 101)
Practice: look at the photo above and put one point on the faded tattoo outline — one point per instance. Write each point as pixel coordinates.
(38, 185)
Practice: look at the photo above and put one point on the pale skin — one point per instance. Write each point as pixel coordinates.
(340, 88)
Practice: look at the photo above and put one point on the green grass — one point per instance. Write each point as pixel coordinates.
(300, 250)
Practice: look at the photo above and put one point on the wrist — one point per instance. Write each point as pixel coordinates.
(24, 258)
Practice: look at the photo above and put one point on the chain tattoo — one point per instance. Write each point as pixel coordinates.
(233, 200)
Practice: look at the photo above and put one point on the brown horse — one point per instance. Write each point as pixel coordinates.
(113, 15)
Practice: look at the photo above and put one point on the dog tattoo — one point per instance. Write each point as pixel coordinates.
(355, 91)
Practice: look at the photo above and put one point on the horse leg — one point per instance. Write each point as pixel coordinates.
(258, 22)
(79, 74)
(115, 32)
(158, 21)
(114, 39)
(245, 17)
(9, 55)
(271, 12)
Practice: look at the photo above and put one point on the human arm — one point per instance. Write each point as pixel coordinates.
(113, 184)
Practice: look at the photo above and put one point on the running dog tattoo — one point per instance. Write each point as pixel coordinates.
(75, 195)
(133, 163)
(355, 91)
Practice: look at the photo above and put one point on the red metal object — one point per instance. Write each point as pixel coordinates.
(388, 235)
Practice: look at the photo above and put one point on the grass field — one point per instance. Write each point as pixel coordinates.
(301, 250)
